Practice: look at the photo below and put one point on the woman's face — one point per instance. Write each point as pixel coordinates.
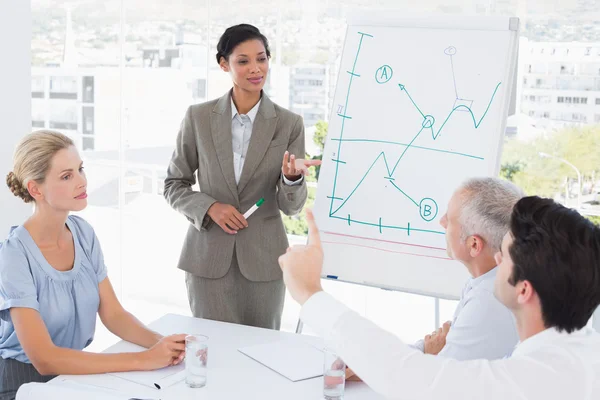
(248, 65)
(64, 188)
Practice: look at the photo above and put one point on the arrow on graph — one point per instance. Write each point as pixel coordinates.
(403, 88)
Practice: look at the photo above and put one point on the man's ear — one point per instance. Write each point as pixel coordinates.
(476, 245)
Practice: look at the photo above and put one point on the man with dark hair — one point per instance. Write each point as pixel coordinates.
(555, 253)
(549, 277)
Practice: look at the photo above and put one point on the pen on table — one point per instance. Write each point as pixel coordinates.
(253, 208)
(136, 398)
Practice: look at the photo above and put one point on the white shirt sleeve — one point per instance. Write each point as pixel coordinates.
(419, 345)
(292, 183)
(398, 371)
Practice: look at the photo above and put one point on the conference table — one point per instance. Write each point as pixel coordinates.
(231, 374)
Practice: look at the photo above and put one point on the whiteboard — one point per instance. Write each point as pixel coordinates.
(420, 105)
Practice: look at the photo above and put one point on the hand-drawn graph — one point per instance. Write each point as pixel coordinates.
(420, 105)
(425, 208)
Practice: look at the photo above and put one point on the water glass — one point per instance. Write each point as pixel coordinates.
(334, 376)
(196, 360)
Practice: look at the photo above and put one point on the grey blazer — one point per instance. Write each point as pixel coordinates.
(204, 150)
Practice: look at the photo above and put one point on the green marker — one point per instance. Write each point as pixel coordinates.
(254, 208)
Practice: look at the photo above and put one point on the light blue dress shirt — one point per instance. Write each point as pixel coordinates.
(241, 132)
(67, 301)
(482, 328)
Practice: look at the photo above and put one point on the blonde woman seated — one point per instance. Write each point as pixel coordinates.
(53, 279)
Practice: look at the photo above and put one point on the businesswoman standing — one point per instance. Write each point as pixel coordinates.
(242, 147)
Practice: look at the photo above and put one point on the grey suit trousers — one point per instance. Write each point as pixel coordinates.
(13, 374)
(234, 298)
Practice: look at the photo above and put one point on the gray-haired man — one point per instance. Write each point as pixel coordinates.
(476, 221)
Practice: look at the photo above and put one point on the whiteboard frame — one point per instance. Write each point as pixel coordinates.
(489, 23)
(440, 21)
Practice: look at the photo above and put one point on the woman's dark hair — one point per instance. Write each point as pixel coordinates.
(234, 35)
(558, 251)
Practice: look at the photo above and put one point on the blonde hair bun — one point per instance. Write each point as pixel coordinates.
(32, 160)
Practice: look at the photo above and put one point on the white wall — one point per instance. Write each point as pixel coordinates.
(15, 100)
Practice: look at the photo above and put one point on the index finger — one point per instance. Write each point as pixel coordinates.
(314, 238)
(286, 159)
(446, 327)
(312, 163)
(177, 346)
(180, 337)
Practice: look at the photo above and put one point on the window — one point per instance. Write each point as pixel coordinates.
(38, 87)
(63, 115)
(63, 87)
(87, 89)
(199, 89)
(125, 120)
(38, 113)
(87, 128)
(579, 100)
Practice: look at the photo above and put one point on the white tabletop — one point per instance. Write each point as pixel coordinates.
(231, 374)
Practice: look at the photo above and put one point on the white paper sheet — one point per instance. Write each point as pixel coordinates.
(66, 390)
(158, 379)
(294, 359)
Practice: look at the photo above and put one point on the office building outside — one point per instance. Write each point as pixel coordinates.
(560, 83)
